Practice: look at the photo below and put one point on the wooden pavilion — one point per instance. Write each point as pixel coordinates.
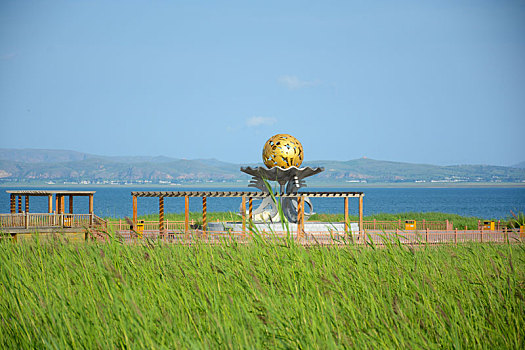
(16, 196)
(250, 195)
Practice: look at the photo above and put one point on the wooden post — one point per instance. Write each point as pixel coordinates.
(56, 204)
(347, 224)
(161, 215)
(243, 210)
(27, 204)
(456, 236)
(374, 224)
(427, 236)
(91, 212)
(302, 215)
(424, 224)
(19, 204)
(70, 204)
(62, 204)
(250, 210)
(134, 212)
(481, 234)
(50, 203)
(120, 224)
(12, 202)
(204, 222)
(299, 218)
(361, 213)
(186, 214)
(91, 203)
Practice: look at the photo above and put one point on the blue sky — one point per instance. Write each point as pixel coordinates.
(439, 82)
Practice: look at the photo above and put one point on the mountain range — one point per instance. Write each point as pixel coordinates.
(59, 166)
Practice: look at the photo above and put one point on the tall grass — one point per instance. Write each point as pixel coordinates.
(262, 294)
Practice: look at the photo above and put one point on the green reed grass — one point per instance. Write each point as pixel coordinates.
(260, 295)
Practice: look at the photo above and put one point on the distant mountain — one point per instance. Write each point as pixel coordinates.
(76, 167)
(519, 165)
(42, 155)
(371, 170)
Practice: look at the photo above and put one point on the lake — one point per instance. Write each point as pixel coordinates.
(480, 202)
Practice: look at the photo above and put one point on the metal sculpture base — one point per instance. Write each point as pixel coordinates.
(290, 180)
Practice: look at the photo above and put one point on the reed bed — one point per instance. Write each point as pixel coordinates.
(265, 294)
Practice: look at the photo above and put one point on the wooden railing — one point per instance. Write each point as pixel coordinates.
(101, 223)
(498, 225)
(172, 225)
(430, 237)
(169, 225)
(32, 220)
(400, 225)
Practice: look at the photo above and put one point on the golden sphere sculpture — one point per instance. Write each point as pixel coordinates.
(282, 150)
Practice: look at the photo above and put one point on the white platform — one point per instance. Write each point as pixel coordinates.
(309, 227)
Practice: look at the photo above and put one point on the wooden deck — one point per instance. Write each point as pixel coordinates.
(44, 223)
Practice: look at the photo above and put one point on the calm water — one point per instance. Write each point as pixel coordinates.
(480, 202)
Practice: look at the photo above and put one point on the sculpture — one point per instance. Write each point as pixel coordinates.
(282, 150)
(282, 154)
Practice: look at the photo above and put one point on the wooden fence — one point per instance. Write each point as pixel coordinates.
(169, 225)
(44, 220)
(421, 237)
(172, 225)
(400, 225)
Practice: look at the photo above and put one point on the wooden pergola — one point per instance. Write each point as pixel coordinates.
(16, 196)
(243, 195)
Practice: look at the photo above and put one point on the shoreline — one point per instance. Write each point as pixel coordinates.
(311, 185)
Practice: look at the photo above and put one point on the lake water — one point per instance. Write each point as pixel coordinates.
(480, 202)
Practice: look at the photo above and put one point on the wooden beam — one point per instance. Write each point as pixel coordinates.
(56, 204)
(19, 204)
(134, 211)
(50, 203)
(238, 194)
(347, 224)
(204, 209)
(27, 204)
(186, 214)
(12, 202)
(71, 204)
(361, 228)
(161, 215)
(243, 210)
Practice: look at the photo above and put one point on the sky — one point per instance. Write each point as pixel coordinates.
(438, 82)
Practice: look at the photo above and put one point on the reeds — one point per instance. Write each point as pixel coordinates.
(263, 294)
